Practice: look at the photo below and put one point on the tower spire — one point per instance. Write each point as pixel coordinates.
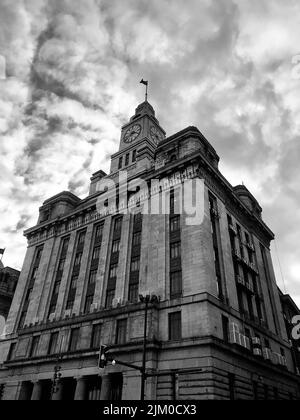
(146, 83)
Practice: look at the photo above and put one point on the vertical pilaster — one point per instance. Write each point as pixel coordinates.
(81, 389)
(37, 391)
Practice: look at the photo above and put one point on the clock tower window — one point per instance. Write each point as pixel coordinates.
(127, 159)
(120, 162)
(134, 156)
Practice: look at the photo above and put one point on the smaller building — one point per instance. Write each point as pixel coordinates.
(290, 310)
(8, 282)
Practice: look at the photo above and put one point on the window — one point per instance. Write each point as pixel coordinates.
(88, 303)
(70, 304)
(113, 271)
(120, 163)
(53, 343)
(56, 288)
(138, 217)
(93, 277)
(96, 253)
(175, 326)
(116, 246)
(12, 351)
(61, 265)
(34, 346)
(225, 326)
(231, 378)
(127, 159)
(229, 220)
(81, 238)
(74, 281)
(52, 309)
(175, 251)
(121, 331)
(34, 273)
(118, 224)
(22, 319)
(65, 245)
(249, 336)
(38, 256)
(28, 295)
(175, 284)
(74, 339)
(136, 240)
(175, 224)
(267, 343)
(134, 156)
(133, 292)
(99, 233)
(78, 259)
(172, 202)
(135, 265)
(110, 295)
(96, 337)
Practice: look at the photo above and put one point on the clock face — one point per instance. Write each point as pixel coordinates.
(132, 133)
(155, 135)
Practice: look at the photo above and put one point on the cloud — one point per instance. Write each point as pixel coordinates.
(71, 81)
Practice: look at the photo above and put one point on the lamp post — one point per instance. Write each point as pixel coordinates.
(148, 299)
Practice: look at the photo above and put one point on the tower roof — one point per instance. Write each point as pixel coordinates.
(145, 108)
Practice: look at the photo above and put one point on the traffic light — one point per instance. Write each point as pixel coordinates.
(102, 357)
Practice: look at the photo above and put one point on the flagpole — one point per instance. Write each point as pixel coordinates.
(2, 254)
(147, 92)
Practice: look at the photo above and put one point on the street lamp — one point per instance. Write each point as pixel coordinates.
(147, 299)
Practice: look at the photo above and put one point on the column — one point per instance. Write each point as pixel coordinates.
(57, 396)
(37, 391)
(81, 388)
(105, 388)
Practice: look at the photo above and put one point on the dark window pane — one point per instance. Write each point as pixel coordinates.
(74, 339)
(134, 156)
(81, 238)
(109, 298)
(34, 346)
(96, 253)
(175, 326)
(96, 337)
(176, 284)
(120, 163)
(99, 233)
(121, 331)
(53, 343)
(135, 265)
(175, 250)
(175, 224)
(12, 351)
(133, 293)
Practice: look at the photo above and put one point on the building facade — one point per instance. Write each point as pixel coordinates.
(290, 311)
(8, 283)
(217, 332)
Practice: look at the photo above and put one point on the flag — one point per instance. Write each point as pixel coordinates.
(2, 251)
(144, 82)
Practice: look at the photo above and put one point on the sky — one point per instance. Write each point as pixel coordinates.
(69, 79)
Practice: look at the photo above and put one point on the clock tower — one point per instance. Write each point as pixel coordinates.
(139, 139)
